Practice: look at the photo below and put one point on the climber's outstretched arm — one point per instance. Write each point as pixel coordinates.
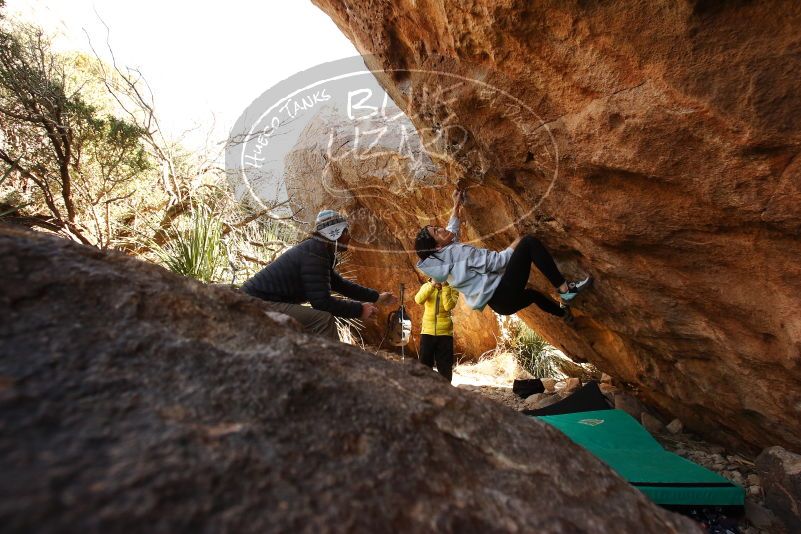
(458, 201)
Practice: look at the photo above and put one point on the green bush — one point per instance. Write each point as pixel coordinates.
(195, 249)
(532, 352)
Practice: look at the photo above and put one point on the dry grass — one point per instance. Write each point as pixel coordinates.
(497, 368)
(501, 366)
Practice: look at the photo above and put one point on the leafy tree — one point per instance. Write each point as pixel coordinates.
(82, 154)
(75, 159)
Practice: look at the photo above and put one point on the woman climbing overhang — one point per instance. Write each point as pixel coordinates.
(494, 279)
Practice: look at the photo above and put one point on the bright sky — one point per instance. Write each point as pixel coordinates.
(205, 61)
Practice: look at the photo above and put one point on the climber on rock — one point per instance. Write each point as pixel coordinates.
(306, 273)
(489, 278)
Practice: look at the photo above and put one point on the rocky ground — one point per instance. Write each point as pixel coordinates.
(739, 468)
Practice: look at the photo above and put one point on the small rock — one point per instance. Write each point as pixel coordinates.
(754, 491)
(549, 384)
(780, 474)
(222, 430)
(758, 515)
(675, 426)
(607, 388)
(716, 449)
(532, 401)
(284, 320)
(572, 384)
(736, 477)
(629, 404)
(753, 479)
(651, 423)
(548, 400)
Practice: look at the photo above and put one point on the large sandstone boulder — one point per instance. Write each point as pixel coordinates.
(132, 399)
(653, 144)
(389, 188)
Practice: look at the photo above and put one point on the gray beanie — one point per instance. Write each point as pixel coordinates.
(330, 224)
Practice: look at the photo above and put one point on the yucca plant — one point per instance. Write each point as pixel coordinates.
(532, 353)
(195, 249)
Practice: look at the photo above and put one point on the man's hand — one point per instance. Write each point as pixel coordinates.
(368, 311)
(386, 299)
(515, 243)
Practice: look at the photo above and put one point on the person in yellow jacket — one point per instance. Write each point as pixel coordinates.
(436, 340)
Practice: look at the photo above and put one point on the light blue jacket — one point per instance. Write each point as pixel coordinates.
(473, 272)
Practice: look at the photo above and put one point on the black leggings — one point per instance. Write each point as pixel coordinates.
(511, 294)
(437, 349)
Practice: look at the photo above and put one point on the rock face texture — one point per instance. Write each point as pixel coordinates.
(389, 187)
(652, 144)
(130, 396)
(780, 474)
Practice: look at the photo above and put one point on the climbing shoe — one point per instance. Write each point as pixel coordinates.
(574, 288)
(567, 316)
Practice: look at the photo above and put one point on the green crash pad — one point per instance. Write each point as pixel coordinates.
(624, 445)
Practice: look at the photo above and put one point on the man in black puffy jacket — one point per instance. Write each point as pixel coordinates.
(305, 273)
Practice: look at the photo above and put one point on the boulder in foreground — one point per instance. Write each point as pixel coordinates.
(132, 398)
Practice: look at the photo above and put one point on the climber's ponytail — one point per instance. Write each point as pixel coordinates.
(424, 244)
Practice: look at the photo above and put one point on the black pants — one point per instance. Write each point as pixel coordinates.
(511, 294)
(437, 349)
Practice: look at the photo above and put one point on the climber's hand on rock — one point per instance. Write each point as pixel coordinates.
(368, 311)
(386, 299)
(458, 202)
